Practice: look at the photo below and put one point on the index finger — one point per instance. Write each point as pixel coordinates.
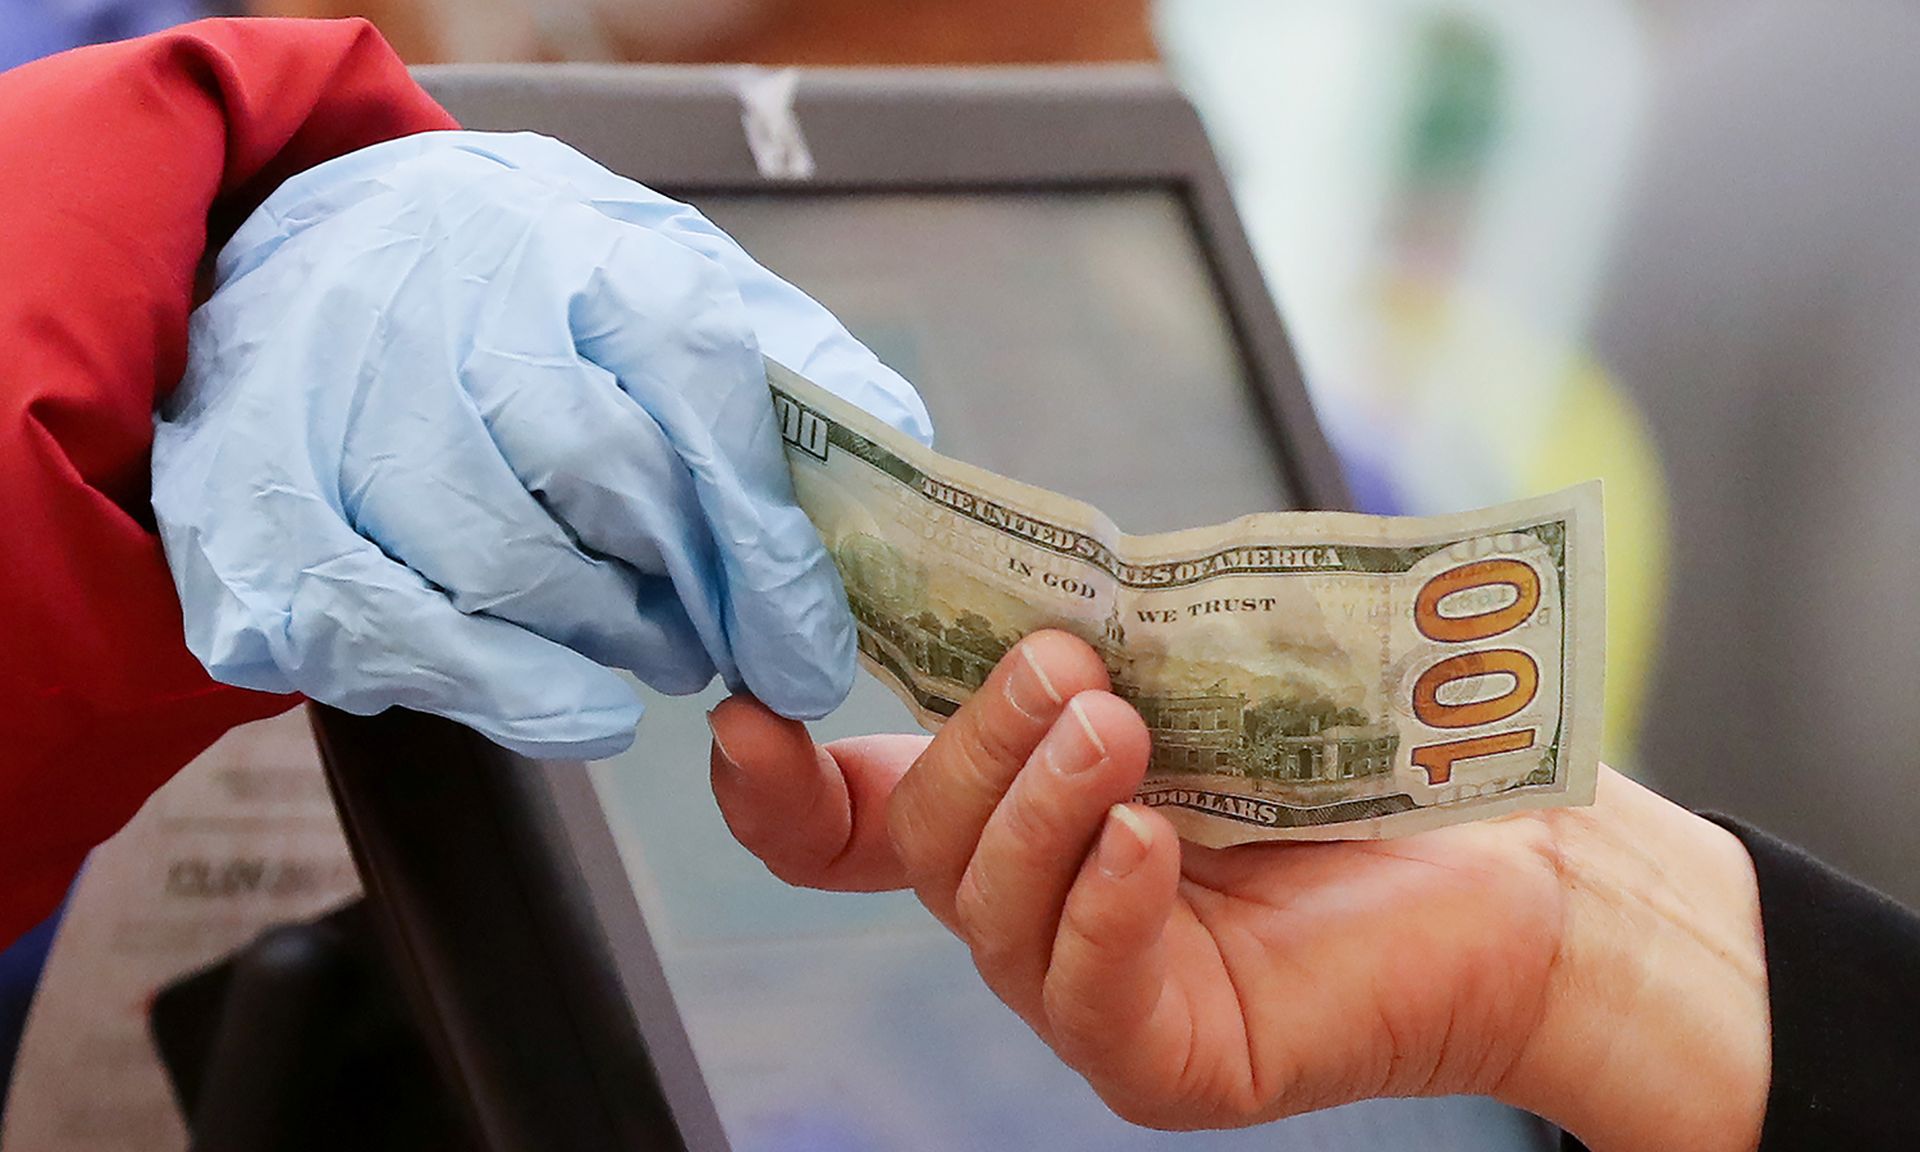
(942, 805)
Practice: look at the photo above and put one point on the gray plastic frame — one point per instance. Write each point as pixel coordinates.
(497, 879)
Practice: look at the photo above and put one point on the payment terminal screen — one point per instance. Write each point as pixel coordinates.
(1075, 341)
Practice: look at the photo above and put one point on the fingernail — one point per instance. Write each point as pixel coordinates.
(1029, 690)
(1123, 842)
(1072, 747)
(747, 822)
(720, 748)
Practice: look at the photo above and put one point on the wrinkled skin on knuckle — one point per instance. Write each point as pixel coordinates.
(918, 873)
(972, 916)
(904, 824)
(980, 748)
(1036, 825)
(1004, 961)
(1079, 1028)
(1074, 1021)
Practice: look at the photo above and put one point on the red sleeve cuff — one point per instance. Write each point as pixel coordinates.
(115, 162)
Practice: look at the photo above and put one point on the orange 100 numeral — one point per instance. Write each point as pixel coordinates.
(1437, 760)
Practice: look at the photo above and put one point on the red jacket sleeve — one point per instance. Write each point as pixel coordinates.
(117, 164)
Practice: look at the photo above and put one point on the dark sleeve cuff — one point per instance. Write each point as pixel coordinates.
(1843, 971)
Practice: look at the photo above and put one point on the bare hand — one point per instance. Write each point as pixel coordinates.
(1599, 966)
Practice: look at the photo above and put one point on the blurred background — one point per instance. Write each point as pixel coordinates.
(1669, 243)
(1664, 243)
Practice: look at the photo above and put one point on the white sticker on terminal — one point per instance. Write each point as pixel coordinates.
(773, 130)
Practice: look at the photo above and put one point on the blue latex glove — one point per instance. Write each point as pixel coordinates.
(469, 419)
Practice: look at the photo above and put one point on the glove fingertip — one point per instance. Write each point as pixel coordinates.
(886, 396)
(598, 719)
(611, 743)
(815, 705)
(808, 681)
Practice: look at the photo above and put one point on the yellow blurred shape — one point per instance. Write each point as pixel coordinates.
(1598, 431)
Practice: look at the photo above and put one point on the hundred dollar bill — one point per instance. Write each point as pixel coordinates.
(1305, 675)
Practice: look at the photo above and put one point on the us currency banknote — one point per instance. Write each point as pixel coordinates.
(1305, 675)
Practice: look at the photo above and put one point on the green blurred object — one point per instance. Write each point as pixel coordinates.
(1460, 87)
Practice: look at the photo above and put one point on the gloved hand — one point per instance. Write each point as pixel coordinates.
(469, 419)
